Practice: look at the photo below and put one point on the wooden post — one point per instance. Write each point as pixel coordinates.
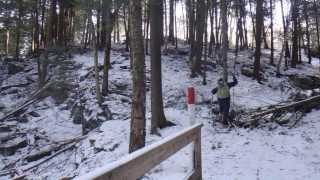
(197, 160)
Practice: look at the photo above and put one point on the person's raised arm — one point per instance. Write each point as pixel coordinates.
(214, 91)
(234, 83)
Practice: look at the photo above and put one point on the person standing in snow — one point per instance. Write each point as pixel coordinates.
(223, 95)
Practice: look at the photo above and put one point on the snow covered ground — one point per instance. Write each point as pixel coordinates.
(272, 152)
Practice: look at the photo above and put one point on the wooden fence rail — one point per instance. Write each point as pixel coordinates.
(136, 164)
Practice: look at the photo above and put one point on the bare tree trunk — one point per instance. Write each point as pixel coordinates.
(317, 24)
(264, 35)
(204, 75)
(42, 68)
(96, 58)
(217, 26)
(51, 24)
(158, 119)
(7, 42)
(224, 31)
(126, 28)
(87, 38)
(110, 19)
(18, 29)
(306, 16)
(295, 14)
(238, 31)
(43, 10)
(191, 17)
(198, 47)
(285, 33)
(176, 25)
(316, 7)
(99, 24)
(212, 37)
(35, 32)
(138, 120)
(147, 27)
(253, 26)
(271, 38)
(300, 39)
(7, 28)
(259, 29)
(171, 22)
(165, 34)
(244, 16)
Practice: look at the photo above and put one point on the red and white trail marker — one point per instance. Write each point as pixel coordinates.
(191, 99)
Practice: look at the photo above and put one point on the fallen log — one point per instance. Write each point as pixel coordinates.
(18, 109)
(50, 157)
(48, 150)
(31, 100)
(15, 85)
(69, 146)
(12, 146)
(62, 147)
(306, 103)
(252, 119)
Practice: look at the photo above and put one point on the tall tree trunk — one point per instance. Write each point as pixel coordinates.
(118, 28)
(306, 16)
(96, 58)
(7, 42)
(224, 31)
(238, 31)
(217, 26)
(43, 10)
(99, 24)
(147, 27)
(6, 25)
(138, 120)
(198, 47)
(158, 119)
(18, 28)
(285, 34)
(106, 66)
(300, 39)
(126, 28)
(35, 33)
(317, 24)
(244, 16)
(110, 22)
(103, 34)
(61, 28)
(253, 25)
(171, 21)
(271, 38)
(259, 29)
(86, 39)
(295, 35)
(204, 75)
(51, 27)
(264, 35)
(212, 37)
(176, 25)
(191, 17)
(165, 33)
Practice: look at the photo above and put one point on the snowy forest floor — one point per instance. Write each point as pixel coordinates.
(270, 151)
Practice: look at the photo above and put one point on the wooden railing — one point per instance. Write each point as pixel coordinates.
(136, 164)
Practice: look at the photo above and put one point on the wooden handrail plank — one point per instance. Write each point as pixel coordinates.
(139, 162)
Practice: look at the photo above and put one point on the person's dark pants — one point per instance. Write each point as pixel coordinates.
(224, 109)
